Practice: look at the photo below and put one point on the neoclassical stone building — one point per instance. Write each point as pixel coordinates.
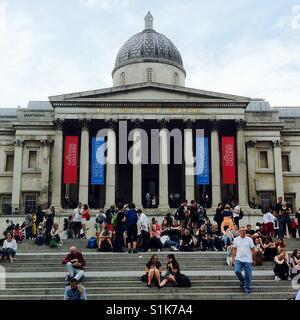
(148, 93)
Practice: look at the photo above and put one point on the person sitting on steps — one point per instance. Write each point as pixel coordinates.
(153, 270)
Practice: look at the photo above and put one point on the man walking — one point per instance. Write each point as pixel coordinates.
(243, 251)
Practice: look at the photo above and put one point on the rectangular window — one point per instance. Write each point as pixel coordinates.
(30, 201)
(266, 199)
(9, 164)
(32, 160)
(290, 200)
(6, 205)
(263, 160)
(285, 162)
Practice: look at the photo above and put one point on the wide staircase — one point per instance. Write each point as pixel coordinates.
(38, 274)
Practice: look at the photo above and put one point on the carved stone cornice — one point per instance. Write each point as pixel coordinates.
(240, 124)
(250, 143)
(58, 124)
(189, 123)
(163, 123)
(276, 144)
(19, 143)
(137, 122)
(111, 123)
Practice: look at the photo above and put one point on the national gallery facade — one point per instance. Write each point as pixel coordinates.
(246, 149)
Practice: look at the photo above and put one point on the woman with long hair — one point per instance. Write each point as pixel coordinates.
(173, 270)
(153, 270)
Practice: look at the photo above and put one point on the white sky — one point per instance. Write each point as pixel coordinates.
(249, 47)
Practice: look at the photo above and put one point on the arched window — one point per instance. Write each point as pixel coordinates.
(149, 75)
(122, 79)
(175, 79)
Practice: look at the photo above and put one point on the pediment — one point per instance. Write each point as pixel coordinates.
(148, 92)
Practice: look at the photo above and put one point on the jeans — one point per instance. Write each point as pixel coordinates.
(239, 266)
(170, 243)
(8, 252)
(73, 271)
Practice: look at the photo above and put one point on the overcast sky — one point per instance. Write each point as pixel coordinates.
(244, 47)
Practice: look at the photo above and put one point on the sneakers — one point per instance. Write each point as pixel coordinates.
(149, 250)
(135, 250)
(158, 250)
(173, 248)
(129, 250)
(247, 291)
(277, 278)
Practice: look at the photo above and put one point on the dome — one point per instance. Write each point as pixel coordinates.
(148, 46)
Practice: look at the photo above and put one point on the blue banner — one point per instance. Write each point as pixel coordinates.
(202, 160)
(98, 164)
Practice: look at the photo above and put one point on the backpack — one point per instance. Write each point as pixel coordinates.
(183, 281)
(114, 220)
(92, 243)
(100, 218)
(53, 243)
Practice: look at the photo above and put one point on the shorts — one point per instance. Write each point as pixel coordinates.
(132, 233)
(83, 221)
(77, 226)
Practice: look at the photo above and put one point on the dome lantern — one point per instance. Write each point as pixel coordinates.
(149, 21)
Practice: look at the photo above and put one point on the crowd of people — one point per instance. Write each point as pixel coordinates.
(125, 228)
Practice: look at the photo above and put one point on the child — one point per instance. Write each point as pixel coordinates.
(40, 238)
(293, 227)
(18, 234)
(228, 256)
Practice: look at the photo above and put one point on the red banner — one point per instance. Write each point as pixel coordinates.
(228, 160)
(71, 159)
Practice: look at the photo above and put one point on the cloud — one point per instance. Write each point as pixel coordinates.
(262, 68)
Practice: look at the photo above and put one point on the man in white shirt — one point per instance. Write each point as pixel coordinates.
(268, 221)
(243, 251)
(77, 220)
(144, 230)
(236, 214)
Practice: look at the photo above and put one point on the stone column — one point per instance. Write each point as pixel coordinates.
(17, 174)
(251, 163)
(278, 169)
(57, 164)
(241, 163)
(137, 165)
(110, 193)
(84, 163)
(45, 151)
(215, 164)
(163, 167)
(189, 161)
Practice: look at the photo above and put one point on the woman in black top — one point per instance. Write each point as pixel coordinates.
(173, 270)
(153, 270)
(120, 229)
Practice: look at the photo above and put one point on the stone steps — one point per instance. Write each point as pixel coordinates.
(137, 283)
(158, 296)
